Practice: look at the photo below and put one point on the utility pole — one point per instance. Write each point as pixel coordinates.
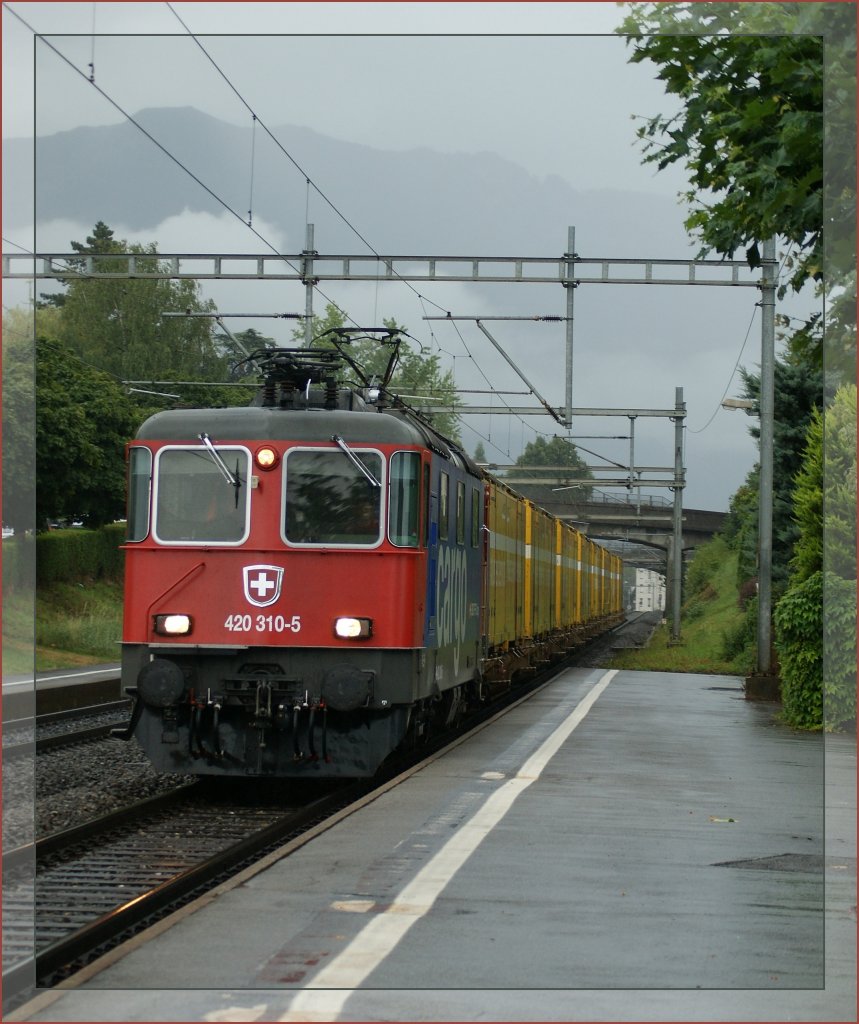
(310, 283)
(570, 286)
(677, 539)
(765, 500)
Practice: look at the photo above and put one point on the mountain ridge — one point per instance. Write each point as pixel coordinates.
(418, 199)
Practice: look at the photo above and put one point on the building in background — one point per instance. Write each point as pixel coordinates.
(649, 591)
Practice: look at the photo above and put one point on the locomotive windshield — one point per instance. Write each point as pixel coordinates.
(193, 500)
(330, 500)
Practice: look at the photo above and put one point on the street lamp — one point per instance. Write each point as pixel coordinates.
(764, 631)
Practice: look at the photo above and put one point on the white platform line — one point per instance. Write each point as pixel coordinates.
(33, 681)
(380, 936)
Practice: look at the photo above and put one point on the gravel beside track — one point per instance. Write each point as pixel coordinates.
(71, 786)
(93, 779)
(635, 633)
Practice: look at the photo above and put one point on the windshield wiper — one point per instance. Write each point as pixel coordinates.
(233, 481)
(347, 451)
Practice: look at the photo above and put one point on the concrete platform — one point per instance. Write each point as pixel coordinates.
(622, 846)
(60, 690)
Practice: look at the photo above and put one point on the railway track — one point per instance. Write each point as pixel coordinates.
(62, 729)
(101, 882)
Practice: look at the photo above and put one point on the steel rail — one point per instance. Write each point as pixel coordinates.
(62, 957)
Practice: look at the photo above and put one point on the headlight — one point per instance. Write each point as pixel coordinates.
(266, 458)
(349, 628)
(173, 625)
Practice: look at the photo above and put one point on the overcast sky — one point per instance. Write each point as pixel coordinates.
(389, 94)
(555, 95)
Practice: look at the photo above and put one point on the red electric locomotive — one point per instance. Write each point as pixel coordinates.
(303, 579)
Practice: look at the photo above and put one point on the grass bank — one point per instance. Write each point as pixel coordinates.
(71, 624)
(716, 635)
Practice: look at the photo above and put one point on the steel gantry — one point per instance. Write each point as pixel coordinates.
(570, 270)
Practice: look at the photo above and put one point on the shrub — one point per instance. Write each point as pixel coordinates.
(748, 592)
(799, 641)
(840, 483)
(697, 605)
(743, 635)
(839, 652)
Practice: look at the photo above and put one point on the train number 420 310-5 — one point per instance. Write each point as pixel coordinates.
(244, 623)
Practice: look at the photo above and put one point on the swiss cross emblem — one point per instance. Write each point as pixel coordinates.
(262, 584)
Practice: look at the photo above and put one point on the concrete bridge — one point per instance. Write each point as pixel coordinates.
(647, 522)
(641, 524)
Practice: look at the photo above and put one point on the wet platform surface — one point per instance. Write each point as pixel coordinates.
(621, 846)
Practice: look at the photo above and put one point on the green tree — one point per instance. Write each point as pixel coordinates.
(750, 132)
(741, 527)
(824, 497)
(120, 325)
(417, 380)
(563, 464)
(817, 651)
(480, 453)
(798, 394)
(808, 505)
(84, 420)
(237, 346)
(839, 450)
(20, 410)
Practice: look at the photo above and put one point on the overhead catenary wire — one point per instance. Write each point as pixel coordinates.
(701, 430)
(218, 199)
(309, 181)
(312, 185)
(92, 48)
(248, 223)
(253, 154)
(171, 156)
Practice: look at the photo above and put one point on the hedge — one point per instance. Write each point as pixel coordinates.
(18, 555)
(64, 555)
(818, 692)
(78, 554)
(839, 651)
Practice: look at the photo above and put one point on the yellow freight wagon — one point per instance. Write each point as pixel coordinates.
(539, 571)
(548, 587)
(506, 577)
(569, 577)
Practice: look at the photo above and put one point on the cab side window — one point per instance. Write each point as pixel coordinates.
(443, 506)
(404, 499)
